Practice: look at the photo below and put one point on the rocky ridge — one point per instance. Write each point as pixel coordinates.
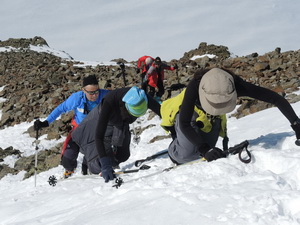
(34, 83)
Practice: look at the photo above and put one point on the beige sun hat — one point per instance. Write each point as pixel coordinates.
(217, 92)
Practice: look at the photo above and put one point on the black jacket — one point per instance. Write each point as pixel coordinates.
(243, 88)
(113, 112)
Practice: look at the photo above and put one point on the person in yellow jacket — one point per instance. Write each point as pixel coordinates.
(198, 117)
(203, 123)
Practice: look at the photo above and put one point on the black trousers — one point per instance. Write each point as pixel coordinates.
(160, 86)
(69, 158)
(161, 89)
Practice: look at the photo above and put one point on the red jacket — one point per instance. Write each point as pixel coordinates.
(142, 63)
(154, 73)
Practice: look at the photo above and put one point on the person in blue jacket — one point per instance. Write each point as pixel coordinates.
(81, 102)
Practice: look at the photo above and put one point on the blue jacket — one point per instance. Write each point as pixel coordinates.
(76, 102)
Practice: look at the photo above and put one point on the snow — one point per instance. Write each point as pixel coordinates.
(201, 56)
(265, 191)
(41, 48)
(225, 191)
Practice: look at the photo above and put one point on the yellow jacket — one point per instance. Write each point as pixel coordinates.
(170, 108)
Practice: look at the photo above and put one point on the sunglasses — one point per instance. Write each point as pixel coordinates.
(92, 92)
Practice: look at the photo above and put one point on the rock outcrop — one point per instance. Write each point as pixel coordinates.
(34, 83)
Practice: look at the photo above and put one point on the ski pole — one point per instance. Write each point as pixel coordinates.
(119, 181)
(53, 180)
(123, 72)
(238, 149)
(36, 155)
(139, 162)
(143, 167)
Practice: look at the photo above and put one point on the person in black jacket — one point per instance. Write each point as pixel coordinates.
(215, 92)
(104, 136)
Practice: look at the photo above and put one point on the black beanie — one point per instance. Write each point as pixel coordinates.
(90, 80)
(157, 60)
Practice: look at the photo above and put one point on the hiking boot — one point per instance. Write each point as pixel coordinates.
(68, 173)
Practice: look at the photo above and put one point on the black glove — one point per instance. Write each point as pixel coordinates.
(106, 169)
(138, 70)
(175, 67)
(213, 154)
(296, 128)
(39, 124)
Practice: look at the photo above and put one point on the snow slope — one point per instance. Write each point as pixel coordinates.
(225, 191)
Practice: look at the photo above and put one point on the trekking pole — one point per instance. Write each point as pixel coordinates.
(124, 79)
(139, 162)
(36, 155)
(238, 149)
(143, 167)
(123, 73)
(178, 80)
(119, 181)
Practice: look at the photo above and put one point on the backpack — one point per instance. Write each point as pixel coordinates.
(170, 108)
